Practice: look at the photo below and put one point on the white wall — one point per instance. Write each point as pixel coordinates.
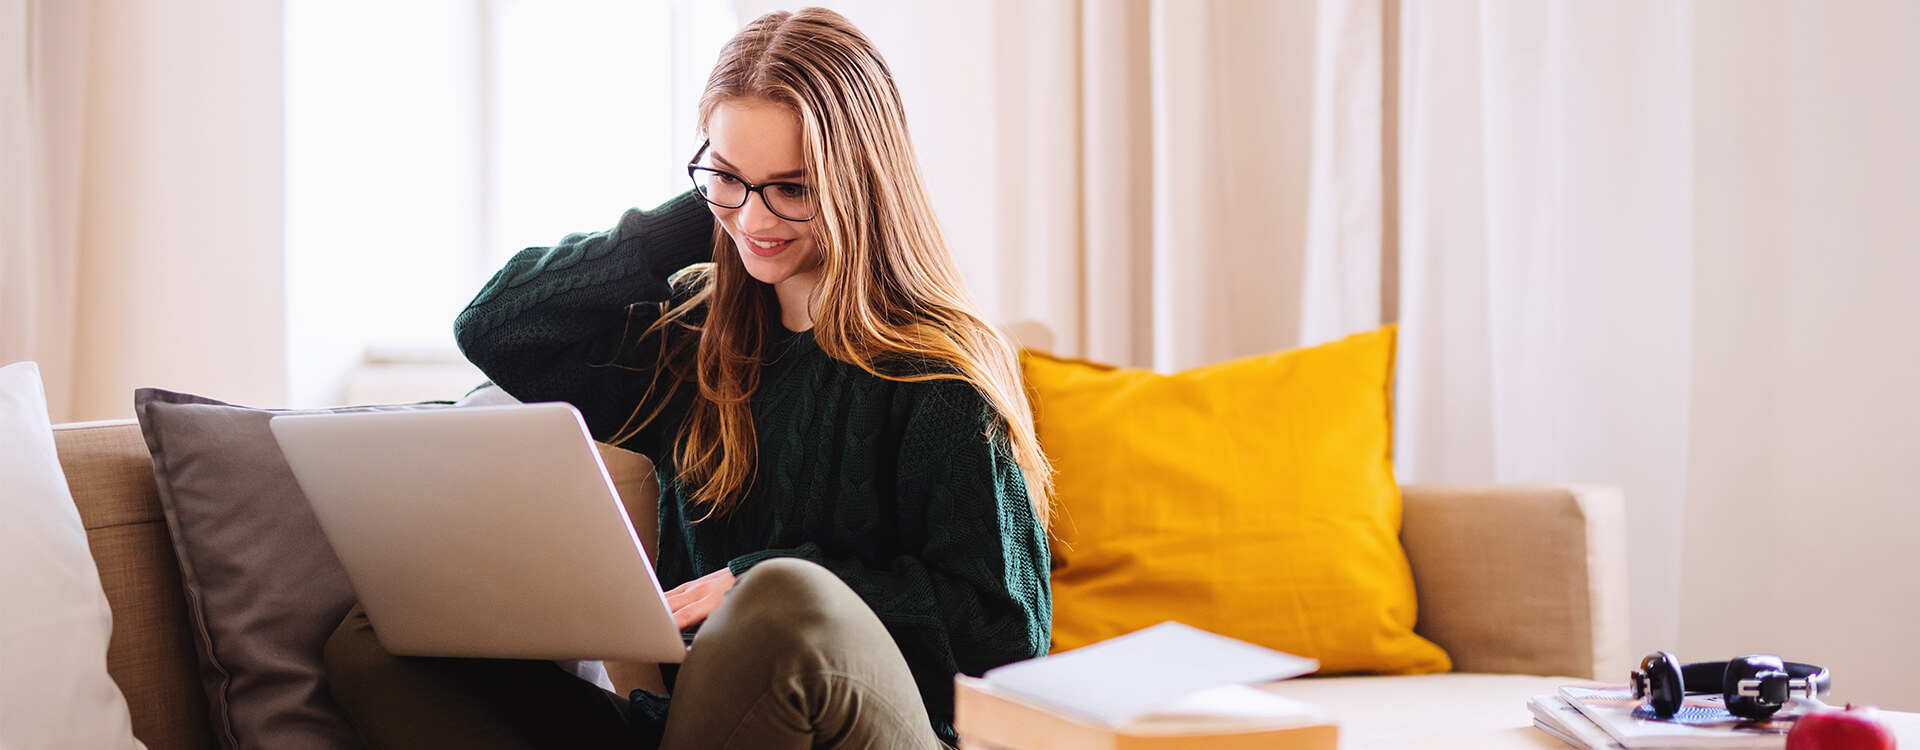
(180, 271)
(1803, 522)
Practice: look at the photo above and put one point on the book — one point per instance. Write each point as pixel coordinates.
(1222, 718)
(1703, 721)
(1167, 687)
(1553, 715)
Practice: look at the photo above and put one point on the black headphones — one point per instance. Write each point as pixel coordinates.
(1755, 687)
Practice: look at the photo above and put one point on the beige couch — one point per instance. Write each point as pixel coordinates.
(1513, 581)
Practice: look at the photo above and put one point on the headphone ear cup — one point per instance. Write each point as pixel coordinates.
(1665, 690)
(1771, 693)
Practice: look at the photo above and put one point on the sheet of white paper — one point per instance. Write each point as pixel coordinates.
(1233, 703)
(1120, 678)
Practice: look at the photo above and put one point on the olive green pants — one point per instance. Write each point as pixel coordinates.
(792, 658)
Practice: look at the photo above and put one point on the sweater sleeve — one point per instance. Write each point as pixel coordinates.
(977, 596)
(561, 323)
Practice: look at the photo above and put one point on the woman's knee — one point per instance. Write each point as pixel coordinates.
(794, 630)
(789, 573)
(791, 584)
(786, 598)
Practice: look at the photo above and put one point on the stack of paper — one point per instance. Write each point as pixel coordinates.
(1553, 715)
(1167, 686)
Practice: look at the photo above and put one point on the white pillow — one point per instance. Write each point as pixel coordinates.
(54, 687)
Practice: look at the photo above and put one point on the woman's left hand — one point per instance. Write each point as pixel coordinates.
(692, 601)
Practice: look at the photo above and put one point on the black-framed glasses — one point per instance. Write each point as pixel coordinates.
(788, 200)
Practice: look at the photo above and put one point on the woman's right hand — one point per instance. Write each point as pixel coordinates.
(694, 600)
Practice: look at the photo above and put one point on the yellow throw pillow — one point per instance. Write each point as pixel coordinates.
(1252, 498)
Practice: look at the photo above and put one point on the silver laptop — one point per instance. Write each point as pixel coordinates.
(489, 531)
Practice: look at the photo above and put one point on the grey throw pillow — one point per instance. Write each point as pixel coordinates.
(263, 587)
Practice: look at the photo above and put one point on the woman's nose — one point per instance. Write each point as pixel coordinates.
(756, 215)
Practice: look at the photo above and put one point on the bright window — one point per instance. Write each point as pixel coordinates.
(428, 140)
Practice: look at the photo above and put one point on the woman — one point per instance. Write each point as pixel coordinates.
(853, 503)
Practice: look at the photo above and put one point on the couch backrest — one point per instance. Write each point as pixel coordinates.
(151, 655)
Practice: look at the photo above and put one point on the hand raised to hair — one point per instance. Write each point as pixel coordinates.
(694, 600)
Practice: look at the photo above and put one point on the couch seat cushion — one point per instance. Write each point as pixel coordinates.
(1481, 711)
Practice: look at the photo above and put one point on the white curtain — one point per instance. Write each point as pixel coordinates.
(43, 73)
(1547, 259)
(1347, 235)
(140, 200)
(1140, 176)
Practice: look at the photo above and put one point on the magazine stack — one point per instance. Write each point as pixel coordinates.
(1610, 718)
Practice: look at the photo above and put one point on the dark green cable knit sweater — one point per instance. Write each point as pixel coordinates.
(896, 487)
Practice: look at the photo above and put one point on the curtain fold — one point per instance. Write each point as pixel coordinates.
(43, 76)
(1547, 241)
(1343, 278)
(141, 230)
(1114, 276)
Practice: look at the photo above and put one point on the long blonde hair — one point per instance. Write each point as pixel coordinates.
(889, 295)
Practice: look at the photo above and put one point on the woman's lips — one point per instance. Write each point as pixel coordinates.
(766, 247)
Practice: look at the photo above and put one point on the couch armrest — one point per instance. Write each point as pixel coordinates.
(1521, 578)
(151, 655)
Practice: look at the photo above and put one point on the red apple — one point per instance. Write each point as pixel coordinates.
(1847, 729)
